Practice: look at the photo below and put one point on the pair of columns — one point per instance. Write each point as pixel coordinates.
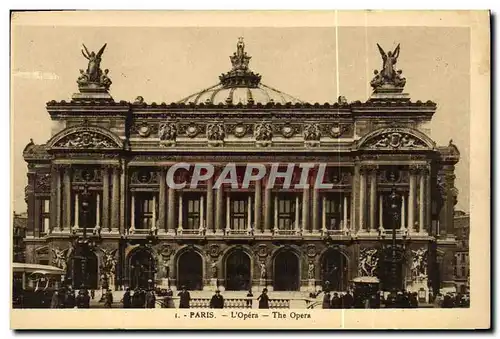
(65, 217)
(409, 202)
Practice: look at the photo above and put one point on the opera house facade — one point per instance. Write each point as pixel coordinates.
(101, 207)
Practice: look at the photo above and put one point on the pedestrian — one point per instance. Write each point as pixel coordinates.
(92, 294)
(169, 300)
(263, 299)
(249, 298)
(61, 294)
(336, 302)
(70, 299)
(136, 299)
(127, 299)
(150, 299)
(185, 298)
(326, 300)
(86, 298)
(108, 299)
(438, 300)
(347, 300)
(54, 303)
(217, 300)
(413, 300)
(80, 300)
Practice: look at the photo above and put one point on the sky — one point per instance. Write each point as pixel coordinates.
(166, 64)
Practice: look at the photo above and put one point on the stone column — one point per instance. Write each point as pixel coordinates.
(153, 223)
(249, 214)
(323, 214)
(132, 212)
(421, 210)
(77, 212)
(162, 201)
(67, 198)
(219, 210)
(181, 215)
(115, 199)
(411, 201)
(171, 210)
(381, 213)
(428, 200)
(258, 206)
(105, 198)
(315, 208)
(202, 212)
(403, 214)
(275, 222)
(297, 222)
(373, 200)
(122, 196)
(98, 210)
(267, 209)
(305, 209)
(355, 199)
(210, 205)
(55, 196)
(362, 200)
(345, 226)
(228, 213)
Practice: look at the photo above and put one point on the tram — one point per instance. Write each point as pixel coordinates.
(33, 285)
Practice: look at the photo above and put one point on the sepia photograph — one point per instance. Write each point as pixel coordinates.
(242, 169)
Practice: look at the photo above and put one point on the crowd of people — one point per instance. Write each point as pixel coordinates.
(66, 297)
(452, 300)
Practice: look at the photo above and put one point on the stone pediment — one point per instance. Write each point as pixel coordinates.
(392, 139)
(86, 138)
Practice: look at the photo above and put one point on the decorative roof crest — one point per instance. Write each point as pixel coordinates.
(240, 75)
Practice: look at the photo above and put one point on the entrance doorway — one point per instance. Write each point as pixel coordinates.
(334, 271)
(190, 271)
(286, 272)
(238, 276)
(142, 269)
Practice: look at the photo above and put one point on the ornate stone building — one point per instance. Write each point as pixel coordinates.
(284, 238)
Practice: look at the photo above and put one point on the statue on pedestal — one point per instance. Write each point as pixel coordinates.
(94, 75)
(388, 75)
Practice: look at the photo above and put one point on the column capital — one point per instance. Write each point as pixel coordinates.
(369, 168)
(418, 169)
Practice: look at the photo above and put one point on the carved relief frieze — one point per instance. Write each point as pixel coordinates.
(336, 130)
(263, 134)
(89, 175)
(42, 182)
(191, 130)
(368, 262)
(167, 133)
(86, 139)
(143, 129)
(144, 177)
(392, 140)
(239, 130)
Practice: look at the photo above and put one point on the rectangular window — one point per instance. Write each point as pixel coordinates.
(462, 271)
(144, 211)
(191, 208)
(333, 211)
(287, 208)
(239, 212)
(45, 215)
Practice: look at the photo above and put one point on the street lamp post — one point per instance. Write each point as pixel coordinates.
(82, 243)
(395, 207)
